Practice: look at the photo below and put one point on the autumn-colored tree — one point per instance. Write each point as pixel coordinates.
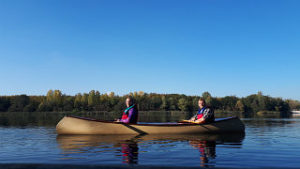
(240, 106)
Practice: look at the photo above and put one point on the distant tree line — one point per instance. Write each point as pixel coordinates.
(95, 101)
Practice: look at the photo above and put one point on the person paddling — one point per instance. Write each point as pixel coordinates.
(204, 114)
(130, 114)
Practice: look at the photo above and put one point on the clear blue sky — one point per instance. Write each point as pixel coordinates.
(164, 46)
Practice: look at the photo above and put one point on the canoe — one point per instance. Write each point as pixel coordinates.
(81, 125)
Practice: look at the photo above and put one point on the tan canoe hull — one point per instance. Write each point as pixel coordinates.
(78, 125)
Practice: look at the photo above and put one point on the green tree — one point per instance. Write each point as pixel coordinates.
(216, 103)
(173, 103)
(261, 101)
(18, 103)
(195, 105)
(119, 106)
(155, 102)
(68, 103)
(183, 104)
(281, 106)
(77, 101)
(4, 104)
(44, 106)
(91, 99)
(207, 97)
(54, 100)
(97, 98)
(165, 104)
(84, 101)
(32, 106)
(229, 102)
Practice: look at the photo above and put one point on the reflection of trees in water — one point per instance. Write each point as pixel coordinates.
(47, 118)
(52, 118)
(29, 118)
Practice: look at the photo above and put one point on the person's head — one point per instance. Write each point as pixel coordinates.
(129, 101)
(201, 103)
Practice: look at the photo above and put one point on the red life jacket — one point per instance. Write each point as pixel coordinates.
(125, 113)
(200, 113)
(124, 116)
(199, 116)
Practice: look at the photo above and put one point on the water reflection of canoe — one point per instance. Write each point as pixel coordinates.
(80, 125)
(71, 142)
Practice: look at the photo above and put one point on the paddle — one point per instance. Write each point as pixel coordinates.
(189, 121)
(134, 129)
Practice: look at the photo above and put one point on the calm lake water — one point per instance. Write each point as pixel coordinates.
(268, 142)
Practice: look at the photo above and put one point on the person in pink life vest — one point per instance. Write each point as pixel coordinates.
(130, 114)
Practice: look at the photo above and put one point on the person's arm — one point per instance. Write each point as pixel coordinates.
(130, 113)
(193, 118)
(208, 114)
(201, 120)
